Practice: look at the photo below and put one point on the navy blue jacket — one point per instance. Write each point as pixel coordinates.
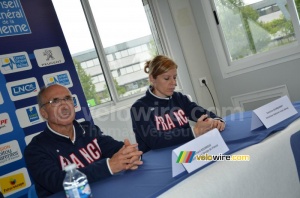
(48, 153)
(163, 122)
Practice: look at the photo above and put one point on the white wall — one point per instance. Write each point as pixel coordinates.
(190, 45)
(251, 89)
(242, 92)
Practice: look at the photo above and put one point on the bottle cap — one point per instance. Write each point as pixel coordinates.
(70, 167)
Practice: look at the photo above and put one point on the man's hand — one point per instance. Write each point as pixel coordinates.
(135, 161)
(128, 157)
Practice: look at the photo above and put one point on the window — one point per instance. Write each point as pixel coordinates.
(136, 67)
(253, 34)
(115, 73)
(129, 70)
(124, 53)
(109, 57)
(144, 47)
(118, 55)
(96, 62)
(109, 40)
(131, 51)
(123, 71)
(83, 65)
(90, 63)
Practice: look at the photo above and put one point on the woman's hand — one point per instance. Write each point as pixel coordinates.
(205, 124)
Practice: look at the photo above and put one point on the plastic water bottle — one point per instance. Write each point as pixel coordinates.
(75, 183)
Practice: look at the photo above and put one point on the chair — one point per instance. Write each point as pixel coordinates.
(32, 192)
(295, 138)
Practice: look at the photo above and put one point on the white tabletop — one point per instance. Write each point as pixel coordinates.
(271, 172)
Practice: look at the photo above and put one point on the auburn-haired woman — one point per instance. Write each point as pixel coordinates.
(161, 117)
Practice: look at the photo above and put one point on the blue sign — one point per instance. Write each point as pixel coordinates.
(12, 19)
(32, 114)
(24, 89)
(31, 38)
(75, 102)
(63, 79)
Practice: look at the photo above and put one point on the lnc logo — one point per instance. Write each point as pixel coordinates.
(24, 89)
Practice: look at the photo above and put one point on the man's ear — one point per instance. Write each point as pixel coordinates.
(44, 113)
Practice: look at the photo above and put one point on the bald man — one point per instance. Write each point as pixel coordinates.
(65, 141)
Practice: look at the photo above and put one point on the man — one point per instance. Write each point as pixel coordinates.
(66, 141)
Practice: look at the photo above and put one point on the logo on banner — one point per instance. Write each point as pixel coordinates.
(1, 99)
(62, 78)
(32, 114)
(29, 116)
(5, 124)
(11, 63)
(49, 56)
(12, 183)
(13, 20)
(76, 103)
(21, 89)
(10, 152)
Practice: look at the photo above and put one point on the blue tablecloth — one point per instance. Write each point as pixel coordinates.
(238, 134)
(155, 175)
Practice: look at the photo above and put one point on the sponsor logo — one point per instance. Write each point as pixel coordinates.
(10, 152)
(33, 116)
(1, 99)
(29, 116)
(76, 103)
(14, 182)
(11, 63)
(5, 124)
(12, 19)
(62, 78)
(24, 89)
(21, 89)
(49, 56)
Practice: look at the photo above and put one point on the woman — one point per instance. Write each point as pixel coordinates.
(160, 118)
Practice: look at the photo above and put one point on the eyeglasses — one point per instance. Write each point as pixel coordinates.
(57, 101)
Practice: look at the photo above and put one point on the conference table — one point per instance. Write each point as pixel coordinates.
(273, 169)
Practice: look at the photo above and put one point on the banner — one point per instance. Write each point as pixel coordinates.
(33, 54)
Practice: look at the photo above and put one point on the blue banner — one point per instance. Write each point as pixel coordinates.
(12, 18)
(33, 54)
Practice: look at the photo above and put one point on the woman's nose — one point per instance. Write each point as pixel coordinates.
(174, 82)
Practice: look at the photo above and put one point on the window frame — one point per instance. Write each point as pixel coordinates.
(256, 61)
(117, 103)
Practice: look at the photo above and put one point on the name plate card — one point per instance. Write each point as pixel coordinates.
(185, 156)
(272, 113)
